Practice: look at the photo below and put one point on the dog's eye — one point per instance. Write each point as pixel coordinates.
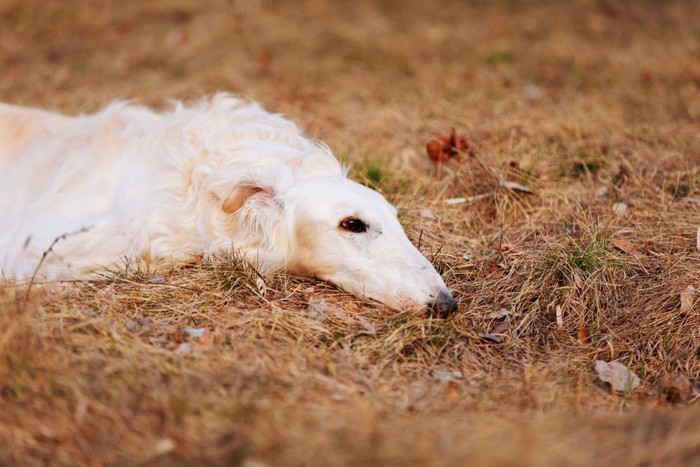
(353, 224)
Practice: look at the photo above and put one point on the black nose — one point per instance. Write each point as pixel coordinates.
(444, 304)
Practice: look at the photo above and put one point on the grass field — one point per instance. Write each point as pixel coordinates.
(591, 107)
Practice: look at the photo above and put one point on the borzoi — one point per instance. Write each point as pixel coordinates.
(222, 174)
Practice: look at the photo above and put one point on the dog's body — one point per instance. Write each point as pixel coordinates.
(129, 182)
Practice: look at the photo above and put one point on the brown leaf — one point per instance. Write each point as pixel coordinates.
(495, 338)
(584, 337)
(687, 299)
(627, 247)
(675, 388)
(436, 151)
(502, 248)
(444, 147)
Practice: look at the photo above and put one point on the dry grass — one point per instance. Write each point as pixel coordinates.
(557, 97)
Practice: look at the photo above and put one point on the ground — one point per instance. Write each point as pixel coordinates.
(576, 240)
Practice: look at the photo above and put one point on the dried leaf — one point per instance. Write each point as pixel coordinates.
(367, 325)
(503, 248)
(317, 309)
(444, 147)
(183, 348)
(627, 247)
(502, 313)
(436, 151)
(697, 240)
(687, 299)
(602, 191)
(194, 333)
(619, 209)
(584, 336)
(197, 339)
(444, 375)
(427, 214)
(621, 378)
(495, 338)
(157, 279)
(164, 446)
(675, 388)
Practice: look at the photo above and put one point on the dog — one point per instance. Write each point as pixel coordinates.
(86, 192)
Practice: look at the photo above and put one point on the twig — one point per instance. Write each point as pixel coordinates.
(46, 253)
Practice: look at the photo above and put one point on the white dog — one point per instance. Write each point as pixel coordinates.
(224, 174)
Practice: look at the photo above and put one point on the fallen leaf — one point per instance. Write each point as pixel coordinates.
(675, 388)
(495, 338)
(194, 333)
(143, 324)
(697, 240)
(427, 214)
(627, 247)
(602, 191)
(500, 328)
(502, 313)
(157, 279)
(308, 292)
(183, 348)
(197, 339)
(502, 248)
(367, 325)
(444, 147)
(533, 93)
(164, 446)
(444, 375)
(621, 378)
(317, 309)
(619, 209)
(687, 299)
(584, 336)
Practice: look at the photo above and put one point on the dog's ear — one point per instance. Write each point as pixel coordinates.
(242, 193)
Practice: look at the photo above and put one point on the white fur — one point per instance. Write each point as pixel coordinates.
(129, 182)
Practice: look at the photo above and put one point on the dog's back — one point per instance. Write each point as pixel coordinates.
(19, 126)
(59, 174)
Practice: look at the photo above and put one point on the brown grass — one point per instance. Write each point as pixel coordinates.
(557, 97)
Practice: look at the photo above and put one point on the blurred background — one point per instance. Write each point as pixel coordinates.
(364, 68)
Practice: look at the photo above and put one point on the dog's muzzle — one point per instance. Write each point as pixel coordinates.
(443, 305)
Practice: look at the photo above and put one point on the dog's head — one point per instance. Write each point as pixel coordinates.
(349, 235)
(337, 230)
